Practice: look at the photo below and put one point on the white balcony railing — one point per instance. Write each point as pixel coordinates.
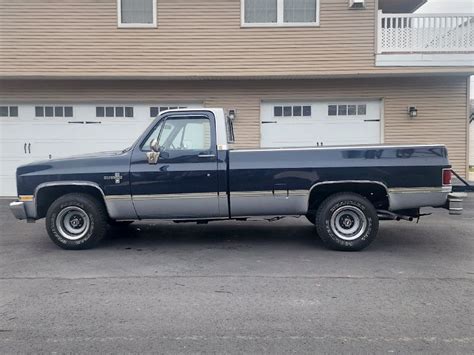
(422, 33)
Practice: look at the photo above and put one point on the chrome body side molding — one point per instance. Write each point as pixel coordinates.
(120, 207)
(268, 203)
(171, 206)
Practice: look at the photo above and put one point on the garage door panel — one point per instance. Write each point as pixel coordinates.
(329, 123)
(8, 185)
(13, 148)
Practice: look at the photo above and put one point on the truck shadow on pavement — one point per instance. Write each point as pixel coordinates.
(227, 235)
(220, 233)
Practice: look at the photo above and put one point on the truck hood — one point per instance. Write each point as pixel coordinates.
(78, 163)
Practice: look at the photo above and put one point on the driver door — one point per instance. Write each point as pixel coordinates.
(183, 184)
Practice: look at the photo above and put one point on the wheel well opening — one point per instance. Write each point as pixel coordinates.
(47, 195)
(375, 193)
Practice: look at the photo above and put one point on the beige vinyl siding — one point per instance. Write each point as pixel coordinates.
(194, 38)
(441, 102)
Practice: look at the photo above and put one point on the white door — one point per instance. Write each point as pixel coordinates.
(303, 124)
(33, 132)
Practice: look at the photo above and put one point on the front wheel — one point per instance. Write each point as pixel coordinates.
(347, 221)
(76, 221)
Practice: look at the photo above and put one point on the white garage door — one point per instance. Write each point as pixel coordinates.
(31, 132)
(301, 124)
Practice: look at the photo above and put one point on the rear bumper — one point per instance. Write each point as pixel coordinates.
(455, 203)
(408, 198)
(18, 209)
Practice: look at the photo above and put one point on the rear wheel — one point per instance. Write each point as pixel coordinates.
(347, 221)
(76, 221)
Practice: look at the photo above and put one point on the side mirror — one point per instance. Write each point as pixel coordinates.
(154, 146)
(154, 155)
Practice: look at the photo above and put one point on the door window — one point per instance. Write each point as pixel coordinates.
(186, 134)
(181, 134)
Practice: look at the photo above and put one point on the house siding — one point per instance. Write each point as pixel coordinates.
(194, 38)
(441, 102)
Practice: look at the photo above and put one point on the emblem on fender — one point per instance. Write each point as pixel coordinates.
(117, 177)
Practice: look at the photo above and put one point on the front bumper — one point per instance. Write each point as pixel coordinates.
(24, 210)
(18, 209)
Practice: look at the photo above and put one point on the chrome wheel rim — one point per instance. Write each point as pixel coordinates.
(348, 223)
(72, 223)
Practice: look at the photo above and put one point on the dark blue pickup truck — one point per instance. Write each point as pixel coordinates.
(182, 169)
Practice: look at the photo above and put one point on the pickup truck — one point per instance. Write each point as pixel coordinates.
(183, 169)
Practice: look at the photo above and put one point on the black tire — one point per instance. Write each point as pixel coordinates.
(76, 221)
(347, 221)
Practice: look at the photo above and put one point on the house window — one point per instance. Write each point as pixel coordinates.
(136, 13)
(292, 111)
(114, 111)
(53, 111)
(280, 12)
(299, 11)
(260, 11)
(347, 110)
(8, 111)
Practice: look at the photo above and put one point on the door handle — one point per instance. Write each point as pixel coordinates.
(264, 122)
(29, 148)
(206, 155)
(24, 147)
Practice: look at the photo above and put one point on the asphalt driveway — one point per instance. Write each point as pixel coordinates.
(246, 287)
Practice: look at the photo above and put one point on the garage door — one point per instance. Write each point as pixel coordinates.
(31, 132)
(301, 124)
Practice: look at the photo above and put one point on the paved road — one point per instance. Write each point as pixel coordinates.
(254, 287)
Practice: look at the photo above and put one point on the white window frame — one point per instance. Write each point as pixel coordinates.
(280, 19)
(136, 25)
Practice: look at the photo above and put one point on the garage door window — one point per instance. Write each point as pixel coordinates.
(8, 111)
(114, 111)
(292, 111)
(54, 111)
(156, 110)
(347, 110)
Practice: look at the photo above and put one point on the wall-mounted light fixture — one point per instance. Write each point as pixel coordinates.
(412, 111)
(232, 114)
